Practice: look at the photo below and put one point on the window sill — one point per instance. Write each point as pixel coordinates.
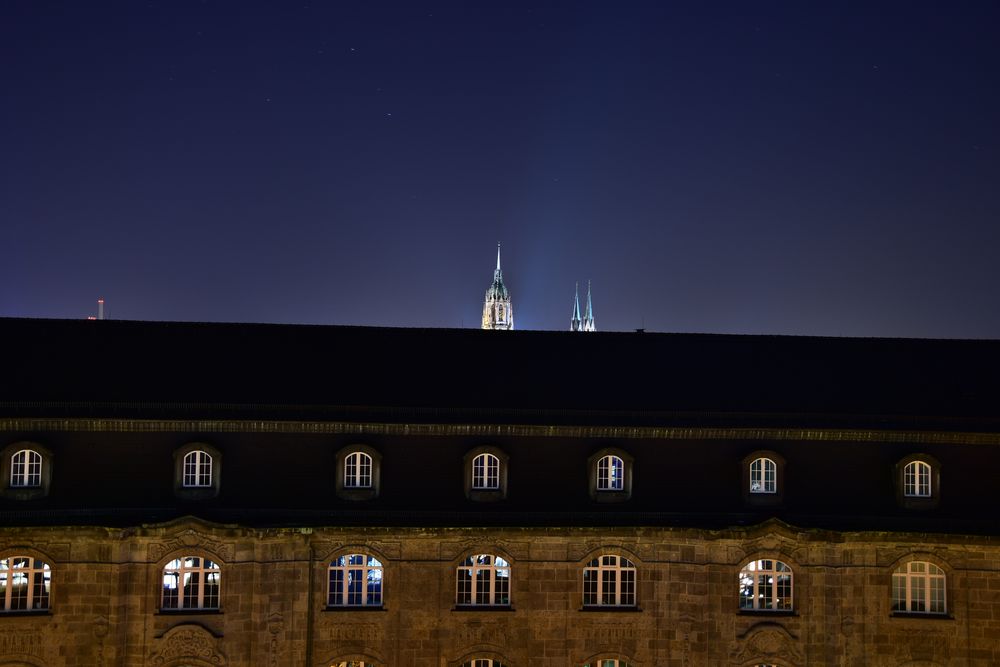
(611, 608)
(189, 612)
(928, 615)
(25, 612)
(354, 607)
(768, 612)
(482, 607)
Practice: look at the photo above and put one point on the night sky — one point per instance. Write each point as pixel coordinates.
(824, 168)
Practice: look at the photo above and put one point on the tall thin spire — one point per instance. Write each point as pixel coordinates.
(575, 322)
(588, 319)
(497, 311)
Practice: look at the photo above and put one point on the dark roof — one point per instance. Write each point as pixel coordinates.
(262, 371)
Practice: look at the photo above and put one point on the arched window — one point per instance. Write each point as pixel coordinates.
(919, 587)
(610, 473)
(766, 585)
(191, 582)
(355, 581)
(917, 479)
(24, 583)
(609, 580)
(482, 662)
(763, 476)
(357, 471)
(197, 469)
(483, 579)
(26, 469)
(485, 472)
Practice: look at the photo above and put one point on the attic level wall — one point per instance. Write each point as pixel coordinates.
(106, 587)
(275, 471)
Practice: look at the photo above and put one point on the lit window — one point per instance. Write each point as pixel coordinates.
(485, 476)
(482, 662)
(763, 476)
(24, 583)
(917, 480)
(766, 585)
(197, 469)
(485, 472)
(609, 581)
(358, 471)
(355, 581)
(919, 587)
(354, 663)
(610, 474)
(484, 580)
(26, 469)
(191, 582)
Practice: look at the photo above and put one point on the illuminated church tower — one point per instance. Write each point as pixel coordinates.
(497, 313)
(586, 323)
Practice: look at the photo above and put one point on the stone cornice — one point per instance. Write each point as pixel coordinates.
(93, 425)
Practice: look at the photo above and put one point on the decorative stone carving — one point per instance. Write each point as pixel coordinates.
(768, 643)
(190, 539)
(188, 642)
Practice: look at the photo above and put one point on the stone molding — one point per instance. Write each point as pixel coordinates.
(91, 425)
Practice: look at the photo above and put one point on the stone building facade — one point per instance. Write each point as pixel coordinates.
(353, 515)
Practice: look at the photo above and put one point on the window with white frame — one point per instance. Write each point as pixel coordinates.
(483, 579)
(191, 582)
(357, 471)
(24, 583)
(354, 663)
(609, 580)
(763, 476)
(766, 585)
(197, 469)
(917, 480)
(482, 662)
(610, 473)
(26, 469)
(485, 472)
(355, 581)
(919, 587)
(609, 662)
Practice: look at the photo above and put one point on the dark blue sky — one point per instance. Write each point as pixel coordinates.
(745, 167)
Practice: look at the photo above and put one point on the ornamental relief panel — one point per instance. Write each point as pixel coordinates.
(767, 643)
(325, 549)
(643, 551)
(187, 642)
(18, 644)
(190, 540)
(452, 550)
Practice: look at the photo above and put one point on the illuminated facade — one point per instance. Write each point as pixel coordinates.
(269, 495)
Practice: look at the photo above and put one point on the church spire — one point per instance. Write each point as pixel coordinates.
(575, 323)
(497, 311)
(588, 319)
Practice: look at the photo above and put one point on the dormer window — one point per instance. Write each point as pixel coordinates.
(610, 475)
(358, 472)
(197, 471)
(918, 482)
(486, 474)
(25, 471)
